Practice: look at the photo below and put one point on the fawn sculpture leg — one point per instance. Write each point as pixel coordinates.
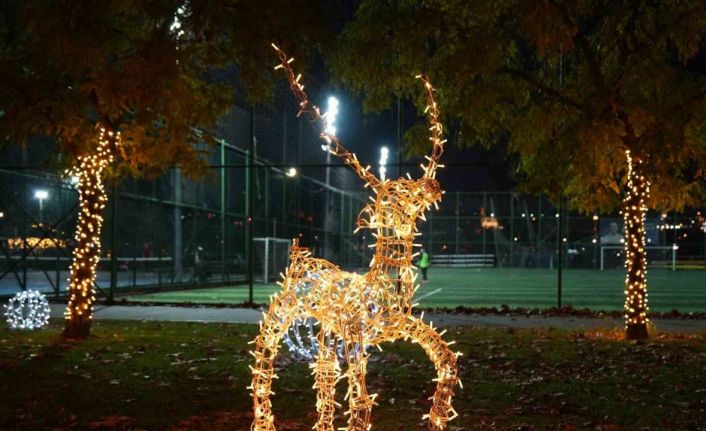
(359, 402)
(326, 373)
(280, 315)
(446, 371)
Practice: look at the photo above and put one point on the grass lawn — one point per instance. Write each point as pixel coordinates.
(684, 290)
(189, 376)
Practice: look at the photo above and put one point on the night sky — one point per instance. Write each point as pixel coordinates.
(468, 169)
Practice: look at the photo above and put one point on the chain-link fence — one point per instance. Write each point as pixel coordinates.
(176, 232)
(172, 232)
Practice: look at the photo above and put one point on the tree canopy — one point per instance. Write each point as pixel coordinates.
(155, 70)
(566, 85)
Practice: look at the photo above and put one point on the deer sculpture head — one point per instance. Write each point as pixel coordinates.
(399, 203)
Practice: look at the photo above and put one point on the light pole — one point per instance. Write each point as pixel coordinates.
(41, 195)
(329, 129)
(384, 153)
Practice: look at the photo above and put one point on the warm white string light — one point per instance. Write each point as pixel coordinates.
(358, 309)
(28, 309)
(86, 254)
(634, 211)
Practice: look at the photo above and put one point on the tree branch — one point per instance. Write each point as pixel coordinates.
(583, 45)
(537, 84)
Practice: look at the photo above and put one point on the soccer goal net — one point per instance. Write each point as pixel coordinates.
(665, 257)
(271, 258)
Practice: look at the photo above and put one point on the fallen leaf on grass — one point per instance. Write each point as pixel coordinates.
(215, 421)
(123, 423)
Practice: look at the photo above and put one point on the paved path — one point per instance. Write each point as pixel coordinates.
(247, 315)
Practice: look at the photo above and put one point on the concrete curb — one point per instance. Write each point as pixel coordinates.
(248, 315)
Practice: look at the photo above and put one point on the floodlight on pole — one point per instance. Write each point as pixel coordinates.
(291, 172)
(329, 132)
(41, 195)
(330, 119)
(384, 153)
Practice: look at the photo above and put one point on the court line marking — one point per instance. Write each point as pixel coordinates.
(433, 292)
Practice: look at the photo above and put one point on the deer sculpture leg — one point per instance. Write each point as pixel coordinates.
(280, 315)
(326, 374)
(360, 403)
(446, 371)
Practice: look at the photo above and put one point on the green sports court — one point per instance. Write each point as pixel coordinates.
(682, 289)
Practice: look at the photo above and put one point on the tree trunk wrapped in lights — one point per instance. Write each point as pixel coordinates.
(634, 210)
(86, 254)
(359, 310)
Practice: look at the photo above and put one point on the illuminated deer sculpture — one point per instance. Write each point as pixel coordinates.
(358, 310)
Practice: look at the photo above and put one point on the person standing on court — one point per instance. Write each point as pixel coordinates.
(424, 264)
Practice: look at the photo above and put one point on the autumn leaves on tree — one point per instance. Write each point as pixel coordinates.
(129, 89)
(602, 102)
(599, 100)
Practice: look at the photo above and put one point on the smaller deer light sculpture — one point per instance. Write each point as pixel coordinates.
(358, 310)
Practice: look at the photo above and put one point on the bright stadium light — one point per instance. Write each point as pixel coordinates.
(330, 119)
(291, 172)
(384, 152)
(41, 195)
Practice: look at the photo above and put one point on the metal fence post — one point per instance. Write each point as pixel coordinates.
(560, 250)
(249, 206)
(485, 209)
(113, 241)
(134, 261)
(512, 230)
(224, 271)
(431, 232)
(159, 271)
(458, 214)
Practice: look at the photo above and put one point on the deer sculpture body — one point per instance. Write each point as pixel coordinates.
(358, 310)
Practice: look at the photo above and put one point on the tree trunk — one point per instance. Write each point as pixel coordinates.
(87, 251)
(634, 209)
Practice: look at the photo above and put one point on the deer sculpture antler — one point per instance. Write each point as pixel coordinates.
(306, 107)
(358, 310)
(436, 129)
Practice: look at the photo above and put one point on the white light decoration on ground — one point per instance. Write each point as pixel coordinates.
(86, 255)
(384, 153)
(27, 310)
(359, 309)
(302, 339)
(634, 210)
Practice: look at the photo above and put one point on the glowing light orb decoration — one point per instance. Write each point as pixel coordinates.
(28, 309)
(359, 310)
(86, 255)
(302, 338)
